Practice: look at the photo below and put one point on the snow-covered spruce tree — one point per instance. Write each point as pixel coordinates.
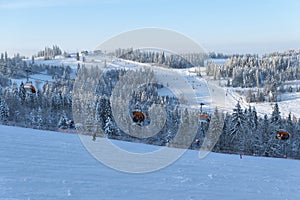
(253, 118)
(290, 124)
(264, 128)
(57, 101)
(253, 135)
(15, 91)
(22, 93)
(63, 122)
(224, 143)
(215, 130)
(260, 96)
(103, 110)
(275, 117)
(237, 77)
(39, 119)
(108, 128)
(295, 140)
(32, 118)
(4, 111)
(250, 96)
(238, 134)
(275, 147)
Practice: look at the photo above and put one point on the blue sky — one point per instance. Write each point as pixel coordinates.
(230, 26)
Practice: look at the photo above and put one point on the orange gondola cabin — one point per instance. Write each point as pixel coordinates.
(204, 118)
(29, 87)
(138, 116)
(282, 134)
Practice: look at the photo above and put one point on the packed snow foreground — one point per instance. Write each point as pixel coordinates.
(48, 165)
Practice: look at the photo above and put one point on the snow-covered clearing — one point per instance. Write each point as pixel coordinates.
(72, 62)
(289, 103)
(48, 165)
(38, 80)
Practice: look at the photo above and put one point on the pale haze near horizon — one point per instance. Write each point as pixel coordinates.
(230, 26)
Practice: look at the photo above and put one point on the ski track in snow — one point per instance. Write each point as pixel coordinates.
(48, 165)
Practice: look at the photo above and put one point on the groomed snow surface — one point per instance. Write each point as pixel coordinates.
(38, 164)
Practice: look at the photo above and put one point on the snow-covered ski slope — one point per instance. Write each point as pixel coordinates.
(38, 164)
(170, 78)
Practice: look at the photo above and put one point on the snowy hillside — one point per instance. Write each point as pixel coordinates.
(47, 165)
(244, 132)
(205, 89)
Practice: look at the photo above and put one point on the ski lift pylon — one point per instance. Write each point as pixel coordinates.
(29, 86)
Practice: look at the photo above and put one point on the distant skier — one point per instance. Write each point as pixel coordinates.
(241, 156)
(197, 141)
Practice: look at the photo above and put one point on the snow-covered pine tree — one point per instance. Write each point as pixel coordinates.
(275, 117)
(39, 118)
(265, 129)
(15, 91)
(238, 119)
(63, 122)
(253, 118)
(215, 130)
(4, 111)
(238, 135)
(108, 129)
(6, 56)
(22, 92)
(253, 135)
(225, 144)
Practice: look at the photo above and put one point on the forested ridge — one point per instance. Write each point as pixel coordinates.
(243, 131)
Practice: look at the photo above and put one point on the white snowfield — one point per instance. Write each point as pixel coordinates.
(48, 165)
